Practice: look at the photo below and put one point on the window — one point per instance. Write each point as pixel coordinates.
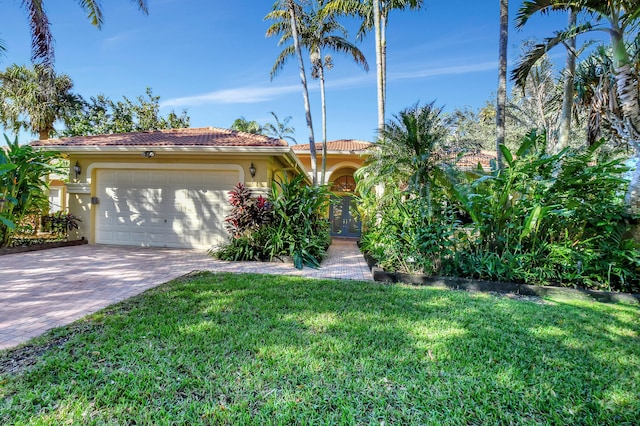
(344, 184)
(55, 201)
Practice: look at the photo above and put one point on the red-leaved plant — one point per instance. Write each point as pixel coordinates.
(247, 213)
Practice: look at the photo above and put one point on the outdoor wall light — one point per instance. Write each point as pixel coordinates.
(252, 170)
(148, 154)
(77, 169)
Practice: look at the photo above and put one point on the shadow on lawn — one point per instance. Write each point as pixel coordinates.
(252, 348)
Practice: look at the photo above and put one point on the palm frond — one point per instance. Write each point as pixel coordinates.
(41, 38)
(521, 72)
(530, 8)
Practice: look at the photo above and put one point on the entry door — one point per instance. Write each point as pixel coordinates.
(344, 218)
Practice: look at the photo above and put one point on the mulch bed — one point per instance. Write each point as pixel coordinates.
(455, 283)
(41, 246)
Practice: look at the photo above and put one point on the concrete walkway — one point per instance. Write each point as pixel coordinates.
(50, 288)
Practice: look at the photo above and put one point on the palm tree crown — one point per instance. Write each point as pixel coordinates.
(42, 50)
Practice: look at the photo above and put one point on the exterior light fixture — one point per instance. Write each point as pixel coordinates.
(252, 170)
(77, 169)
(148, 154)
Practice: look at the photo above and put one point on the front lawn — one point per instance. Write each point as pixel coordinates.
(254, 349)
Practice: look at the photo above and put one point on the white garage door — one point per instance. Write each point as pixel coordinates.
(163, 208)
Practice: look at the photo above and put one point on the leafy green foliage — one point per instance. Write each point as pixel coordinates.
(280, 129)
(241, 124)
(299, 211)
(291, 224)
(23, 173)
(32, 98)
(60, 223)
(104, 116)
(544, 219)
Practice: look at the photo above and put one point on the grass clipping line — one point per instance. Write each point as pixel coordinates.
(256, 349)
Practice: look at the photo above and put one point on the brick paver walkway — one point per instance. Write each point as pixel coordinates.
(50, 288)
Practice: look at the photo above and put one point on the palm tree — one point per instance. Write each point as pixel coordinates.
(291, 8)
(318, 33)
(538, 104)
(564, 129)
(280, 129)
(595, 94)
(375, 14)
(41, 39)
(243, 125)
(501, 103)
(616, 18)
(33, 98)
(407, 152)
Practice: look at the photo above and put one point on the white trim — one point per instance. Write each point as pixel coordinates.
(256, 192)
(344, 164)
(164, 166)
(139, 149)
(78, 188)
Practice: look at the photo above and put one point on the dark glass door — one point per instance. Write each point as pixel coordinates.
(344, 218)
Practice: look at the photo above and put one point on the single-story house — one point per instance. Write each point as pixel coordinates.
(169, 188)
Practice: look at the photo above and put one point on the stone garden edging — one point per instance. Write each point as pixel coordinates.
(43, 246)
(455, 283)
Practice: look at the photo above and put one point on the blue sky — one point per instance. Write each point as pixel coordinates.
(212, 58)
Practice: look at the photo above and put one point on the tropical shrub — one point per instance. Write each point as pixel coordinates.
(23, 173)
(291, 224)
(545, 219)
(60, 223)
(247, 213)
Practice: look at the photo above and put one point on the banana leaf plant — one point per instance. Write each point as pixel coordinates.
(23, 183)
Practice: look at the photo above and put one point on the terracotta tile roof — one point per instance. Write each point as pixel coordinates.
(472, 159)
(339, 145)
(205, 136)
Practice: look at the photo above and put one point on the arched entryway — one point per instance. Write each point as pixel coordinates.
(343, 213)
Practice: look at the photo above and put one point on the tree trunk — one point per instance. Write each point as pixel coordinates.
(627, 89)
(502, 80)
(324, 120)
(628, 94)
(305, 92)
(632, 197)
(43, 134)
(379, 69)
(383, 62)
(567, 96)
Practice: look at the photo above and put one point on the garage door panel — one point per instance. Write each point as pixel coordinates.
(163, 208)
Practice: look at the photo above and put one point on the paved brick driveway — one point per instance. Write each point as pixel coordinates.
(46, 289)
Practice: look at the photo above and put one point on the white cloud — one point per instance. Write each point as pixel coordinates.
(240, 95)
(433, 72)
(254, 94)
(116, 40)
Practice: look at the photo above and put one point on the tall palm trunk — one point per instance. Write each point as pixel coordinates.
(502, 80)
(383, 60)
(628, 93)
(324, 118)
(305, 91)
(567, 96)
(379, 64)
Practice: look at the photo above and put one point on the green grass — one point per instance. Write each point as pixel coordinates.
(254, 349)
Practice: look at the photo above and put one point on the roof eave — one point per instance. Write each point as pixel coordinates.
(303, 152)
(133, 149)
